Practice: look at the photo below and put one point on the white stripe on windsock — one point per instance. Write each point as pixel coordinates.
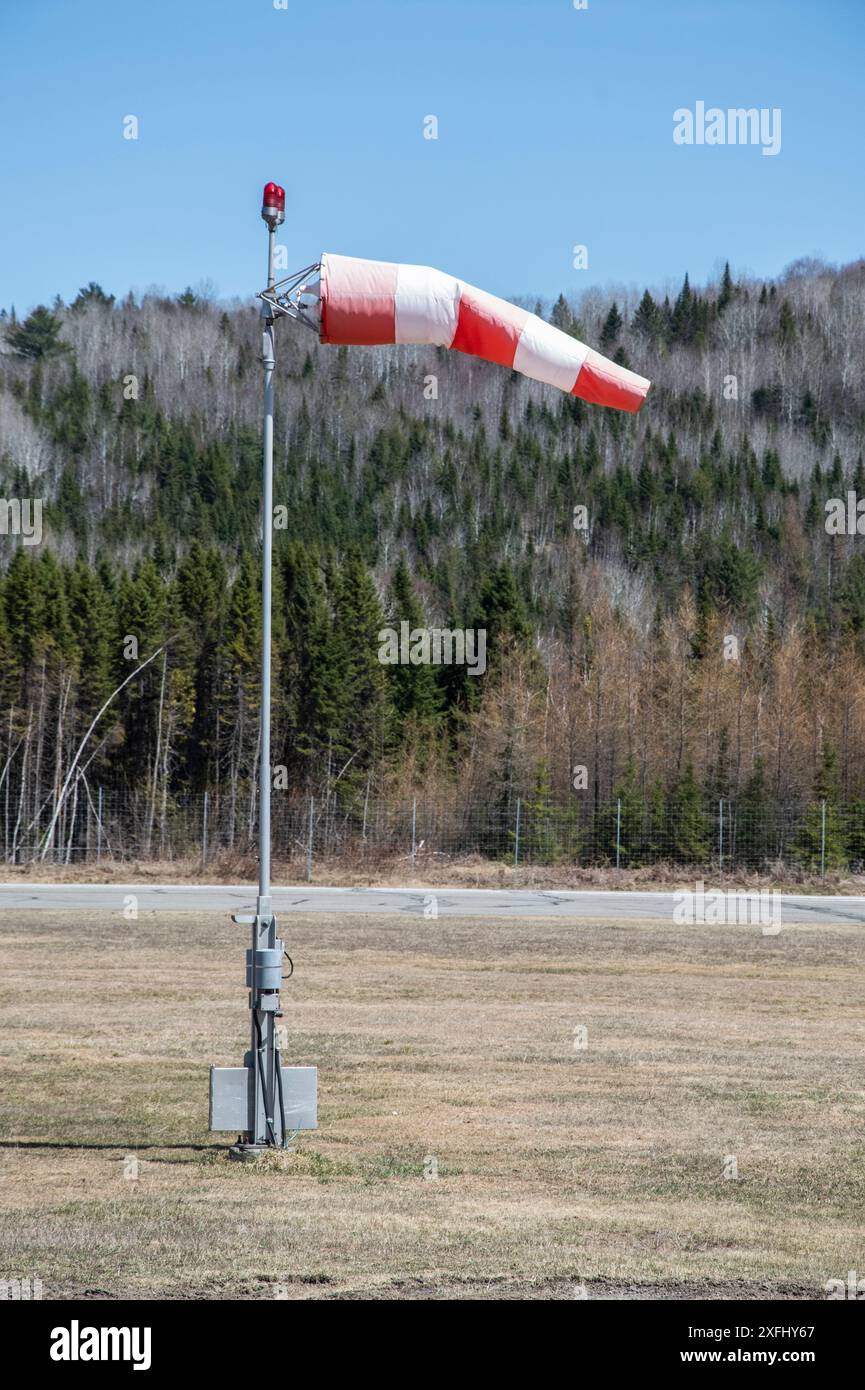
(547, 354)
(427, 305)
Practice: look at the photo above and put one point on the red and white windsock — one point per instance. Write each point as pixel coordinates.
(364, 302)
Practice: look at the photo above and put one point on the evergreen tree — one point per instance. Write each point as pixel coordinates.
(786, 325)
(240, 702)
(414, 690)
(358, 620)
(647, 321)
(628, 796)
(90, 618)
(612, 328)
(38, 336)
(754, 826)
(682, 317)
(501, 609)
(314, 667)
(140, 630)
(24, 608)
(562, 316)
(726, 294)
(820, 842)
(543, 838)
(92, 294)
(201, 588)
(688, 827)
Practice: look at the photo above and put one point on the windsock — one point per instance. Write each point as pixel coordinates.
(365, 302)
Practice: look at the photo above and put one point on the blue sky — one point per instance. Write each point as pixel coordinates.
(555, 129)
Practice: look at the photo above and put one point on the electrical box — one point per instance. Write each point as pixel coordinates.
(232, 1091)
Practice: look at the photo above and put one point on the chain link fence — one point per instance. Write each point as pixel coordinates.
(720, 836)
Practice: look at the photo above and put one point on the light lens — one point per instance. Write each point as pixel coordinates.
(274, 197)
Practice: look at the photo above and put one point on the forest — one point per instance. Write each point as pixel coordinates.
(674, 635)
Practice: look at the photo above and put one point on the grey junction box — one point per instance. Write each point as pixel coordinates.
(232, 1098)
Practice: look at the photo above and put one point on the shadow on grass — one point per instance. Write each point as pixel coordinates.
(120, 1144)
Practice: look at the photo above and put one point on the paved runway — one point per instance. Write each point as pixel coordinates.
(442, 902)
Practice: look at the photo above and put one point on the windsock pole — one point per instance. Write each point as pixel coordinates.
(273, 212)
(264, 1049)
(263, 1101)
(264, 962)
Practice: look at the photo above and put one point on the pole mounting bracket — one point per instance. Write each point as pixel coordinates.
(296, 296)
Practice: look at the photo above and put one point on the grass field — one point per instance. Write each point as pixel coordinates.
(466, 1147)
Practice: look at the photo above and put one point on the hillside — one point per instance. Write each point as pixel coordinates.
(700, 639)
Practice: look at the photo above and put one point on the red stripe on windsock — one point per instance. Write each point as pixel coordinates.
(602, 382)
(357, 301)
(488, 327)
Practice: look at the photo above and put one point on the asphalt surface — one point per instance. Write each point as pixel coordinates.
(430, 902)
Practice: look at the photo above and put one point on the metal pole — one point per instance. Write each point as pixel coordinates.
(822, 839)
(721, 835)
(99, 829)
(413, 830)
(258, 1107)
(618, 832)
(268, 360)
(517, 836)
(262, 1050)
(309, 840)
(204, 833)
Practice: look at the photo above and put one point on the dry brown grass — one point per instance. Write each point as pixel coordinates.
(433, 871)
(445, 1038)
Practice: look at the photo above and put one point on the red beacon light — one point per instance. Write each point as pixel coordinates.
(273, 205)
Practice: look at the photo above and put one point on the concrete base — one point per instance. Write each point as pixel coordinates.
(247, 1153)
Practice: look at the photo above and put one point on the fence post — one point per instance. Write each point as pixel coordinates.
(618, 831)
(99, 829)
(517, 836)
(413, 830)
(309, 841)
(822, 839)
(204, 833)
(721, 835)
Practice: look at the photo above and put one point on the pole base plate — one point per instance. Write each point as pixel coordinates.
(248, 1153)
